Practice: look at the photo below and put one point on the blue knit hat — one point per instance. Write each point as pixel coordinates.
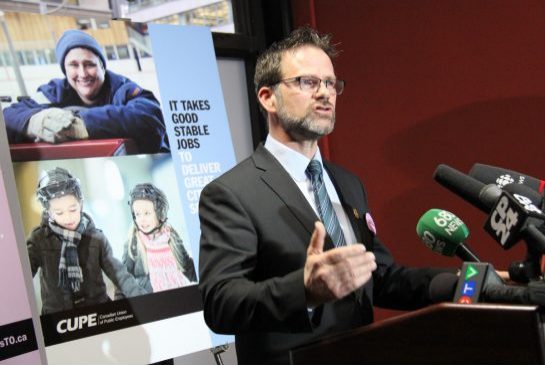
(73, 39)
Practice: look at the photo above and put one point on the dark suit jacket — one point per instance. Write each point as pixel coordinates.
(256, 225)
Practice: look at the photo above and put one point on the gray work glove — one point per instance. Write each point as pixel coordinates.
(76, 130)
(56, 125)
(46, 124)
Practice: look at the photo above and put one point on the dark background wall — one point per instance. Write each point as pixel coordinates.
(430, 82)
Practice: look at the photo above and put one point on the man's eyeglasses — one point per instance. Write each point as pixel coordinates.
(312, 84)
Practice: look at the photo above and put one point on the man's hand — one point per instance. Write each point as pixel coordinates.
(335, 273)
(56, 125)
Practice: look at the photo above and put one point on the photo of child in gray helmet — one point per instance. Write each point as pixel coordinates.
(70, 251)
(154, 252)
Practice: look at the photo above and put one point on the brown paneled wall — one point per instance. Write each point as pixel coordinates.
(430, 82)
(28, 30)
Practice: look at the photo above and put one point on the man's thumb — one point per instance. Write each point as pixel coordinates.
(316, 245)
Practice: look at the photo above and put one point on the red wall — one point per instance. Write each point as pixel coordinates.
(430, 82)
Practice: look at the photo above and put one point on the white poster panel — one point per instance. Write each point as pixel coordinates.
(109, 157)
(18, 342)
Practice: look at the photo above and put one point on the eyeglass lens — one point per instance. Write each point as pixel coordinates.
(313, 84)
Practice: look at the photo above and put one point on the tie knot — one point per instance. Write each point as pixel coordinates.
(314, 169)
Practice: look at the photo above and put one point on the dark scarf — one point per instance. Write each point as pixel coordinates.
(70, 274)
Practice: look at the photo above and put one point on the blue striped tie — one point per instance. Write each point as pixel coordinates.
(329, 218)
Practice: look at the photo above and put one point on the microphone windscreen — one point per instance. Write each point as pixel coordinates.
(497, 175)
(461, 184)
(442, 287)
(442, 231)
(502, 293)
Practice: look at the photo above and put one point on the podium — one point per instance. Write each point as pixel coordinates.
(440, 334)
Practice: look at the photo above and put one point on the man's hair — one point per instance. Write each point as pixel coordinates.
(267, 69)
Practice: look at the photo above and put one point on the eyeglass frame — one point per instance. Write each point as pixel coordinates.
(317, 87)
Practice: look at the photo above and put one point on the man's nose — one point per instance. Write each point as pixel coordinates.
(323, 91)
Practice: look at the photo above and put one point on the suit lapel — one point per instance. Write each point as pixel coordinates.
(279, 181)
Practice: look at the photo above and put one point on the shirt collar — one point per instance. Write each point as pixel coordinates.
(294, 162)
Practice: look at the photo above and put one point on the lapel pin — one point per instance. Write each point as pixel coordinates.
(370, 223)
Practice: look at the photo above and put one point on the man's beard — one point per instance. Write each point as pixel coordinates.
(304, 128)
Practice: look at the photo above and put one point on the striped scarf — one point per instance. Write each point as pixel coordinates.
(164, 271)
(70, 274)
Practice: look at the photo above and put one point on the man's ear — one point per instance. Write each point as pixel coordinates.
(267, 99)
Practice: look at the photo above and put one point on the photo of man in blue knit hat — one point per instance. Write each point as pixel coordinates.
(91, 102)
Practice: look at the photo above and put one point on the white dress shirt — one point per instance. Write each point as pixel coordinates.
(295, 164)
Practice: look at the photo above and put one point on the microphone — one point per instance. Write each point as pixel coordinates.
(496, 175)
(526, 270)
(530, 217)
(488, 198)
(442, 287)
(515, 216)
(522, 271)
(526, 196)
(466, 187)
(530, 268)
(479, 282)
(474, 276)
(444, 233)
(531, 202)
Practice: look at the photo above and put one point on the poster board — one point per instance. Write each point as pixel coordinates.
(145, 328)
(19, 328)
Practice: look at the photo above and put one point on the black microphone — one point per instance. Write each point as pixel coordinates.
(527, 196)
(528, 269)
(479, 282)
(466, 187)
(490, 199)
(489, 174)
(442, 287)
(521, 271)
(513, 217)
(524, 271)
(531, 294)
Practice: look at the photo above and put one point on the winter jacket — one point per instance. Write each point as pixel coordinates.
(95, 256)
(136, 266)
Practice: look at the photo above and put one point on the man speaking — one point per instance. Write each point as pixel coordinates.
(289, 251)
